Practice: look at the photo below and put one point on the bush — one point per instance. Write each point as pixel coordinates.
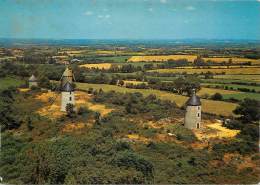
(217, 96)
(83, 110)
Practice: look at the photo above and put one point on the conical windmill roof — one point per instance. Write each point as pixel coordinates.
(194, 100)
(67, 87)
(32, 79)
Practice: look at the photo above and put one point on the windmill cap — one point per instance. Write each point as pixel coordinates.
(32, 79)
(194, 100)
(67, 87)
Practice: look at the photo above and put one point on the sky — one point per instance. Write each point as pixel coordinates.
(130, 19)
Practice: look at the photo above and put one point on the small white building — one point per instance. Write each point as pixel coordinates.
(32, 81)
(193, 112)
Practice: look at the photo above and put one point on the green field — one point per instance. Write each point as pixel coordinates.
(251, 78)
(9, 82)
(209, 106)
(227, 94)
(115, 58)
(231, 71)
(234, 86)
(242, 95)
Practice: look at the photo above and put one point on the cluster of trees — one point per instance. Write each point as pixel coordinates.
(8, 117)
(247, 121)
(94, 159)
(173, 63)
(182, 85)
(135, 103)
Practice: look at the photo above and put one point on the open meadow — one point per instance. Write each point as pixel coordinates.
(191, 58)
(10, 82)
(231, 71)
(209, 106)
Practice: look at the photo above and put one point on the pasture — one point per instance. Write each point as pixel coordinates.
(98, 66)
(190, 58)
(231, 71)
(114, 58)
(252, 78)
(10, 82)
(234, 86)
(209, 106)
(227, 94)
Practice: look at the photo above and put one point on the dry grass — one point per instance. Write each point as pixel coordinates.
(213, 129)
(82, 99)
(98, 66)
(134, 82)
(234, 71)
(24, 89)
(136, 137)
(71, 127)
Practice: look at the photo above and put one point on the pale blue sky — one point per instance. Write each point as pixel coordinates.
(130, 19)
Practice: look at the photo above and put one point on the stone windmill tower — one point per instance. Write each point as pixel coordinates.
(193, 112)
(32, 81)
(67, 89)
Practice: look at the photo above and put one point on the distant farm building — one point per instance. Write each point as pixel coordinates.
(32, 81)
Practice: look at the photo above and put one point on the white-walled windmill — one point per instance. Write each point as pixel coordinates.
(67, 89)
(193, 112)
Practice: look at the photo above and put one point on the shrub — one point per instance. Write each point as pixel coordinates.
(217, 96)
(83, 110)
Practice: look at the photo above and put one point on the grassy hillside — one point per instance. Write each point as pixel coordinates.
(10, 81)
(210, 106)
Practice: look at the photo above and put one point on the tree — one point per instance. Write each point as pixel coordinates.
(199, 61)
(70, 110)
(121, 83)
(249, 110)
(83, 111)
(217, 96)
(97, 117)
(251, 130)
(209, 75)
(29, 123)
(185, 85)
(45, 82)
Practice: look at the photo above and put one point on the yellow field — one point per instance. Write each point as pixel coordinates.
(190, 58)
(236, 71)
(98, 66)
(217, 67)
(255, 78)
(53, 110)
(161, 58)
(211, 91)
(210, 106)
(134, 82)
(234, 60)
